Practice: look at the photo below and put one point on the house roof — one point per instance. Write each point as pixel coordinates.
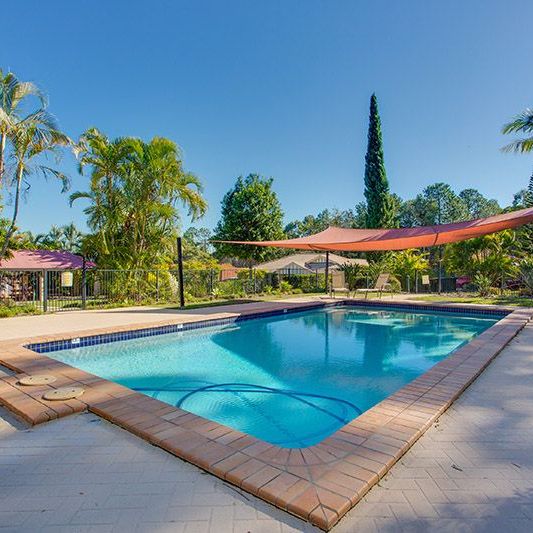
(302, 260)
(43, 260)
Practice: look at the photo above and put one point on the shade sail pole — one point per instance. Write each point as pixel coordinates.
(327, 272)
(440, 269)
(180, 272)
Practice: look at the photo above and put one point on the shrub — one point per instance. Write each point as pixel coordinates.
(526, 274)
(9, 308)
(285, 287)
(483, 284)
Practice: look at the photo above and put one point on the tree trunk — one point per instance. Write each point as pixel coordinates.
(12, 227)
(2, 152)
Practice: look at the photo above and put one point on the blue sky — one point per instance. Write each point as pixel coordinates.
(281, 88)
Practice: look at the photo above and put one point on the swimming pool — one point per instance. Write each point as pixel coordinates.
(291, 380)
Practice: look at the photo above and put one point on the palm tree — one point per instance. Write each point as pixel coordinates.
(134, 191)
(33, 138)
(12, 93)
(71, 238)
(522, 123)
(107, 162)
(67, 238)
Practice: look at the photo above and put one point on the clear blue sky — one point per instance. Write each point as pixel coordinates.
(281, 88)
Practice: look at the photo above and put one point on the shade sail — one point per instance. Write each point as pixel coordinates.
(366, 240)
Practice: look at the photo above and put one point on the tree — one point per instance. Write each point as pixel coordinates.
(407, 264)
(491, 256)
(250, 212)
(134, 190)
(197, 249)
(313, 224)
(437, 204)
(522, 124)
(477, 205)
(20, 240)
(32, 139)
(13, 93)
(199, 237)
(380, 209)
(67, 238)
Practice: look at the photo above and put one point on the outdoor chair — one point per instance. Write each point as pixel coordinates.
(338, 283)
(382, 284)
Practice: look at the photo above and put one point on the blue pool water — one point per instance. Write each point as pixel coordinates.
(291, 380)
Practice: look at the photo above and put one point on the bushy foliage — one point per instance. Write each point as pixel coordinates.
(407, 264)
(491, 256)
(526, 273)
(134, 191)
(250, 212)
(355, 275)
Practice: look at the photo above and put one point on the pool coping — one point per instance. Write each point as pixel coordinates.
(319, 483)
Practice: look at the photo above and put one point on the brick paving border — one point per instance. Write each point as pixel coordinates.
(319, 483)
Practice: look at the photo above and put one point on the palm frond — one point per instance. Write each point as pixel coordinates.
(52, 172)
(519, 146)
(521, 123)
(79, 194)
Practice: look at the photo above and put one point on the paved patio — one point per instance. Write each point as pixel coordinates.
(472, 471)
(68, 321)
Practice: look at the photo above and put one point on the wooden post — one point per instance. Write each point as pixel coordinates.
(327, 273)
(180, 272)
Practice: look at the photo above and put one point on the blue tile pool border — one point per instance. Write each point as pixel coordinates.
(105, 338)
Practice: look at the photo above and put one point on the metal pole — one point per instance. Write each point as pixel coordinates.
(440, 270)
(180, 272)
(83, 283)
(45, 291)
(327, 272)
(440, 247)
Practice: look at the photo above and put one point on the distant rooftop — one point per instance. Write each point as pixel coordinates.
(310, 262)
(43, 260)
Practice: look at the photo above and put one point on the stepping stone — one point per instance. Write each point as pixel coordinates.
(37, 379)
(64, 393)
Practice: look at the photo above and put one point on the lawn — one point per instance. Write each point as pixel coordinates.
(513, 300)
(7, 311)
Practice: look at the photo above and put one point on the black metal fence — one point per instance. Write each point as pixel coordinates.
(51, 290)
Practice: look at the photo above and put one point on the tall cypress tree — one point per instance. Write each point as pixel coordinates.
(380, 208)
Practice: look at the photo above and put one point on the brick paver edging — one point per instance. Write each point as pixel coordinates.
(319, 483)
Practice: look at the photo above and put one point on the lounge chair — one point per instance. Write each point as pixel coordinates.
(338, 283)
(382, 284)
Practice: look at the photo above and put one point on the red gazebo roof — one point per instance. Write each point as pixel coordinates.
(43, 260)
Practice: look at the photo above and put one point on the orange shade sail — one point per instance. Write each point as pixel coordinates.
(366, 240)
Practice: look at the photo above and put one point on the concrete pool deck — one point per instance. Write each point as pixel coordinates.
(318, 483)
(69, 321)
(471, 471)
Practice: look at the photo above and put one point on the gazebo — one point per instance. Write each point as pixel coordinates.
(23, 275)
